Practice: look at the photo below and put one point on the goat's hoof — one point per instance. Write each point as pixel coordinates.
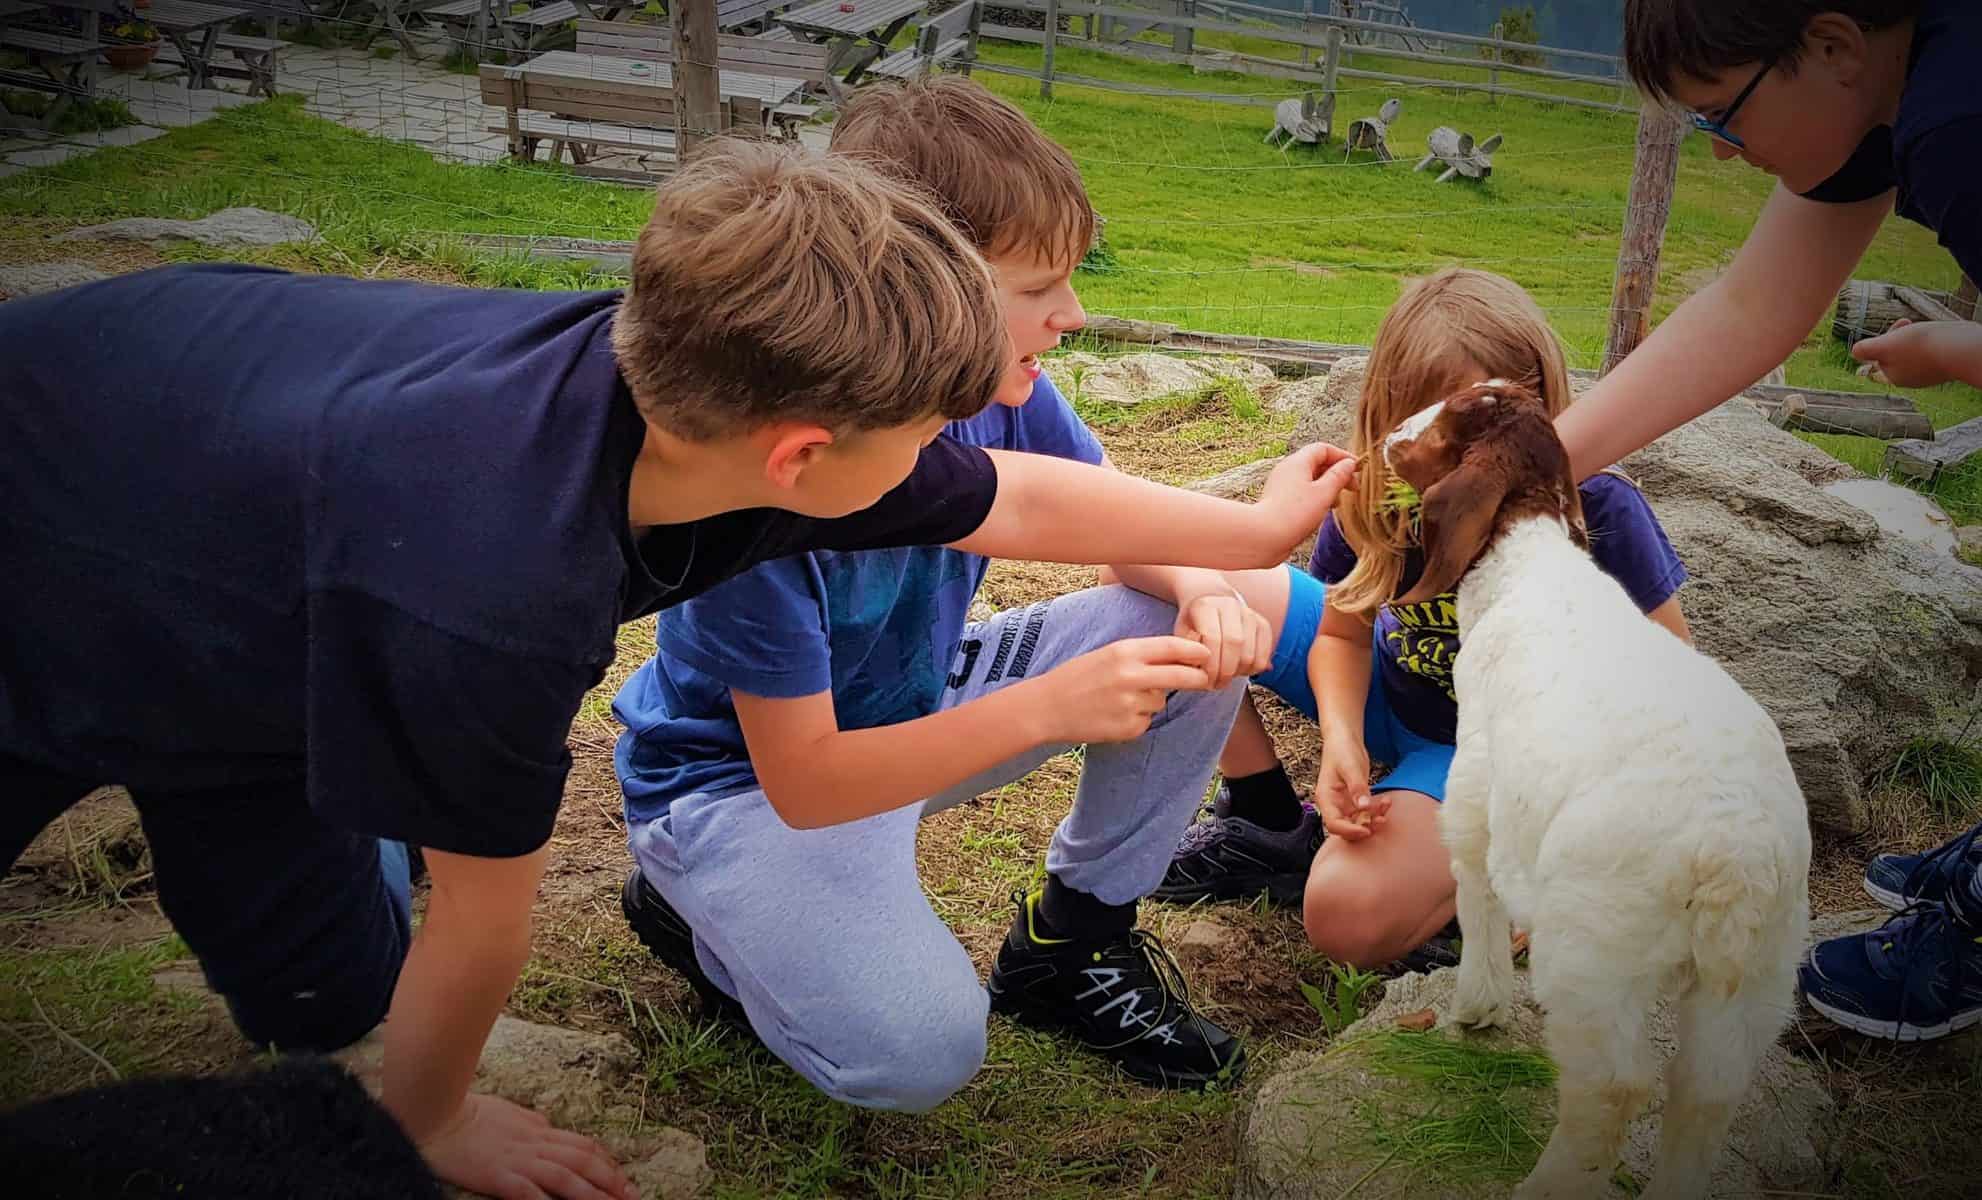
(1480, 1007)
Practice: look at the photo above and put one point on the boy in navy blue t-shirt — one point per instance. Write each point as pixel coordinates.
(312, 563)
(1859, 108)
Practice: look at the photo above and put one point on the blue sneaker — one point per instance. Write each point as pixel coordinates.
(1913, 979)
(1900, 881)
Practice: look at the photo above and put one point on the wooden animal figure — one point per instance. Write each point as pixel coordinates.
(1302, 120)
(1372, 133)
(1459, 154)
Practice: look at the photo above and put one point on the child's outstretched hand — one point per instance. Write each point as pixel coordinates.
(1110, 694)
(1342, 791)
(1239, 639)
(1922, 354)
(1300, 492)
(510, 1152)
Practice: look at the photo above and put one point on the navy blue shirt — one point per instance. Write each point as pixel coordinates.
(372, 536)
(1930, 151)
(1418, 642)
(875, 628)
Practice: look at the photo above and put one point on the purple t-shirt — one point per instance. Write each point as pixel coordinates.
(1417, 642)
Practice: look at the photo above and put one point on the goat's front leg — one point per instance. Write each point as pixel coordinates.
(1486, 961)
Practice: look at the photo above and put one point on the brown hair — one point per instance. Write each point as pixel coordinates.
(778, 283)
(1007, 185)
(1441, 324)
(1670, 40)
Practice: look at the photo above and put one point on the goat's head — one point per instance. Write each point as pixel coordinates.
(1481, 460)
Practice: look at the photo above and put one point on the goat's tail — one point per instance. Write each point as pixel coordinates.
(1738, 904)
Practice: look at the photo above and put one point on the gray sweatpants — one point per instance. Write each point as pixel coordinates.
(825, 935)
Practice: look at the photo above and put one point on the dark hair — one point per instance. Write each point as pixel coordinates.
(1670, 40)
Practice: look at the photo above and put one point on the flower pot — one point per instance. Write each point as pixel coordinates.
(130, 57)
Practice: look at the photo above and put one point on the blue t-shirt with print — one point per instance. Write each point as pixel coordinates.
(876, 628)
(1419, 641)
(1929, 151)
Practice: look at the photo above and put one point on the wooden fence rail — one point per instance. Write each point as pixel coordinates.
(1110, 28)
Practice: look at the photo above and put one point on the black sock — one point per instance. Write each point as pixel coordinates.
(1266, 799)
(1064, 912)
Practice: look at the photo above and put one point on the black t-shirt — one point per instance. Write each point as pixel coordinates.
(261, 526)
(1932, 152)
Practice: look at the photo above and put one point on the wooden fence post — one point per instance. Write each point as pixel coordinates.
(1307, 27)
(1052, 33)
(1183, 38)
(1645, 216)
(1331, 61)
(697, 89)
(1493, 69)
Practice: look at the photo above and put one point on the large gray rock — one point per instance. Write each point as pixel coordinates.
(1853, 639)
(32, 279)
(228, 227)
(1133, 378)
(1327, 404)
(1356, 1119)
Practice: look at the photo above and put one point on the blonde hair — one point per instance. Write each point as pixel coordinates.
(1007, 185)
(1438, 330)
(780, 283)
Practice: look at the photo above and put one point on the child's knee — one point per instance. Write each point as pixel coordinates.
(1351, 919)
(910, 1065)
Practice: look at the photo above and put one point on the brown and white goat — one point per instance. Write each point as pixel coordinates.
(1615, 793)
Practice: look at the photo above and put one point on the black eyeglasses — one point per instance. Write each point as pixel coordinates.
(1719, 128)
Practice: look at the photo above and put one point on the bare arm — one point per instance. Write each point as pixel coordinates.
(1052, 510)
(815, 774)
(1339, 673)
(1730, 334)
(1668, 616)
(458, 974)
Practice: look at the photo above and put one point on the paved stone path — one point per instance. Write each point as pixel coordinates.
(399, 98)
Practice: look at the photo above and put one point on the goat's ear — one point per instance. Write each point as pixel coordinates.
(1457, 519)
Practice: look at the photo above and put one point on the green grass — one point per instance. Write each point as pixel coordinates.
(1947, 774)
(77, 1014)
(1482, 1115)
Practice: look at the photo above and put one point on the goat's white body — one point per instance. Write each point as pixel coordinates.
(1619, 796)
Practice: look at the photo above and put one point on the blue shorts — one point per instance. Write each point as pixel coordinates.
(1417, 764)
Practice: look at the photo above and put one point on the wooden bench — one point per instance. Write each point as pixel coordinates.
(756, 55)
(481, 26)
(255, 60)
(948, 39)
(582, 116)
(66, 66)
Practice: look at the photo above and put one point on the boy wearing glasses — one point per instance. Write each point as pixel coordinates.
(1858, 108)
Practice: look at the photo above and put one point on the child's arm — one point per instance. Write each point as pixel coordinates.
(1052, 510)
(1730, 333)
(1339, 672)
(815, 774)
(463, 963)
(1923, 354)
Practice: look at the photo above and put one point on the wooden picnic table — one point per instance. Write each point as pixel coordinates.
(859, 30)
(572, 70)
(192, 27)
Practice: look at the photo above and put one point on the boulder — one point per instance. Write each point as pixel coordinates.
(1327, 404)
(1388, 1112)
(1134, 378)
(1854, 639)
(32, 279)
(1899, 510)
(228, 227)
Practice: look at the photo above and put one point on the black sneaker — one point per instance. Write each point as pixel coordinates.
(1124, 999)
(667, 936)
(1230, 858)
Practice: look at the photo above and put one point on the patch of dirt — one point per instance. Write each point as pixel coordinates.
(27, 240)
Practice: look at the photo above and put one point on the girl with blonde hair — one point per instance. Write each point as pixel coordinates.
(1365, 860)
